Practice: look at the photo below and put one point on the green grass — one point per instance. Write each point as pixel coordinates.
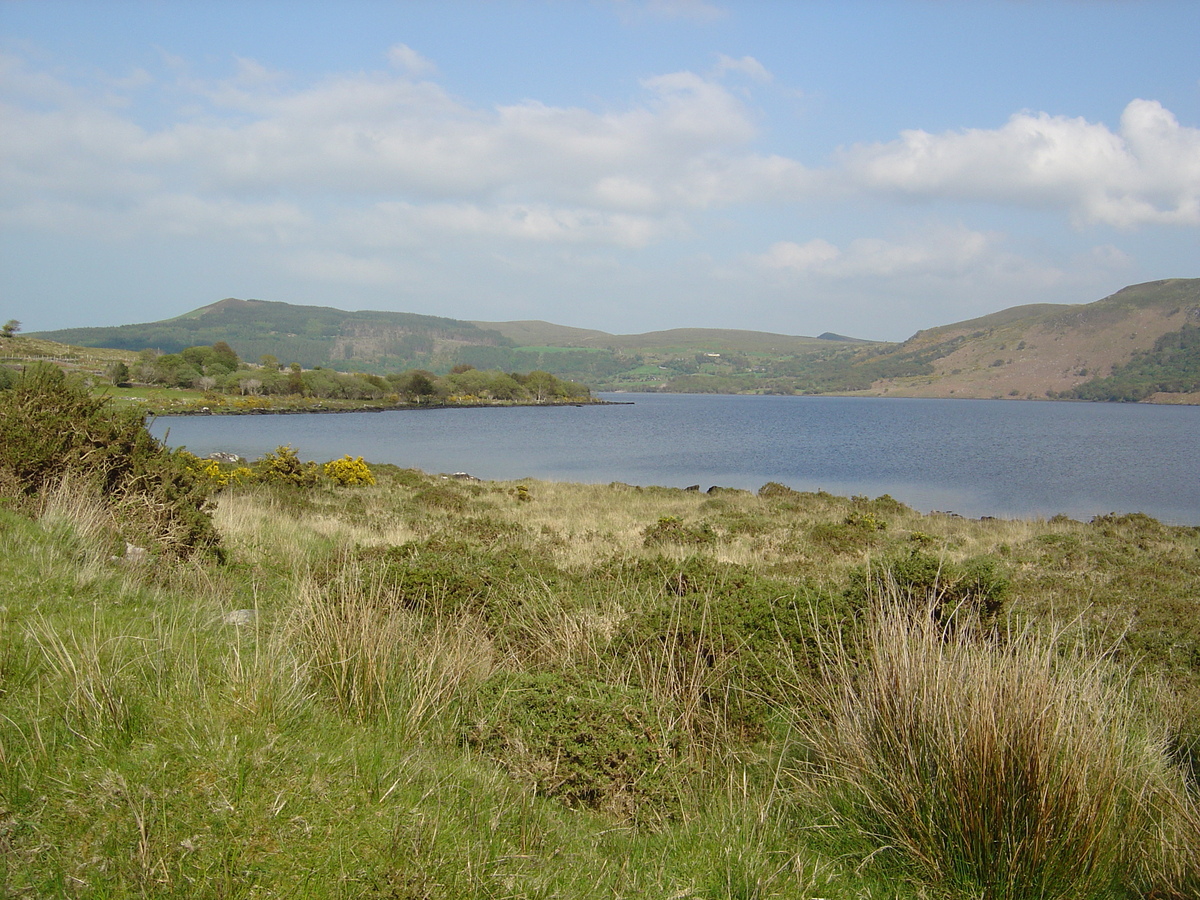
(460, 690)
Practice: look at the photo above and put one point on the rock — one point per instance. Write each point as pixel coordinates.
(717, 489)
(693, 487)
(221, 456)
(134, 555)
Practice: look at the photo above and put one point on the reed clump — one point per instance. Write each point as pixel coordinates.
(997, 763)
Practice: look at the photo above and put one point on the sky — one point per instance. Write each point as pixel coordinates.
(865, 167)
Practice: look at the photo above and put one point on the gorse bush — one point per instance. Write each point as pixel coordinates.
(347, 471)
(591, 744)
(673, 530)
(55, 435)
(720, 642)
(920, 582)
(284, 466)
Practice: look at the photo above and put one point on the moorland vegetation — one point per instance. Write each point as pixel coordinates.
(366, 681)
(361, 681)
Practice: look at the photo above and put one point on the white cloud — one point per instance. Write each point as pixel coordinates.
(813, 255)
(400, 224)
(1148, 172)
(574, 173)
(190, 216)
(936, 251)
(747, 65)
(341, 268)
(406, 59)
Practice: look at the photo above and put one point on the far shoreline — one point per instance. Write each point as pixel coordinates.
(414, 407)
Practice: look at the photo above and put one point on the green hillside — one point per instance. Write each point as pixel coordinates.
(365, 340)
(1029, 351)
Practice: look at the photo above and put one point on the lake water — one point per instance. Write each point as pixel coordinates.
(973, 457)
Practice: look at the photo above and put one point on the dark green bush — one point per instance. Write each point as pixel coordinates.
(976, 587)
(733, 641)
(55, 434)
(673, 530)
(590, 744)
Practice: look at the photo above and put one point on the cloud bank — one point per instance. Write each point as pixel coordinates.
(349, 178)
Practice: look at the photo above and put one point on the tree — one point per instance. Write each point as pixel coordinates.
(415, 385)
(226, 355)
(295, 379)
(10, 328)
(541, 385)
(118, 372)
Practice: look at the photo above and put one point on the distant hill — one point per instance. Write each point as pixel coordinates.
(727, 340)
(1141, 343)
(1050, 349)
(310, 335)
(379, 342)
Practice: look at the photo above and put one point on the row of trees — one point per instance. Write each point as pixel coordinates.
(218, 369)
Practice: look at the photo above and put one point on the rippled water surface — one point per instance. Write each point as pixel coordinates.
(973, 457)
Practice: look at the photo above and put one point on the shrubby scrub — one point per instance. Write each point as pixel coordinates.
(54, 435)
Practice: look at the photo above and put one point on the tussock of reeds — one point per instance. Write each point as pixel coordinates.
(1007, 765)
(375, 660)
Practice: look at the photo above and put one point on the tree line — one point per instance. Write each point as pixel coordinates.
(218, 369)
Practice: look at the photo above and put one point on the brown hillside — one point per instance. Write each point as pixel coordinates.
(1027, 351)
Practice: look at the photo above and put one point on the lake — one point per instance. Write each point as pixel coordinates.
(999, 458)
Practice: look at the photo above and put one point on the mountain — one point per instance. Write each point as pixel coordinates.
(683, 340)
(380, 342)
(310, 335)
(1055, 350)
(1141, 343)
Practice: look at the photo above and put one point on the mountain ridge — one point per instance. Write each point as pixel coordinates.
(1034, 351)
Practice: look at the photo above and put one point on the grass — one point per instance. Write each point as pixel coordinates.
(1001, 765)
(468, 690)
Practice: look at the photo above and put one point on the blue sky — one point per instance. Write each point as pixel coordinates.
(868, 168)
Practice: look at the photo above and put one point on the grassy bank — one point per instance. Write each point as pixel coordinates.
(428, 688)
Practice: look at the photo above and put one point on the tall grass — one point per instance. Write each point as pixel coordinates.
(1007, 766)
(373, 659)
